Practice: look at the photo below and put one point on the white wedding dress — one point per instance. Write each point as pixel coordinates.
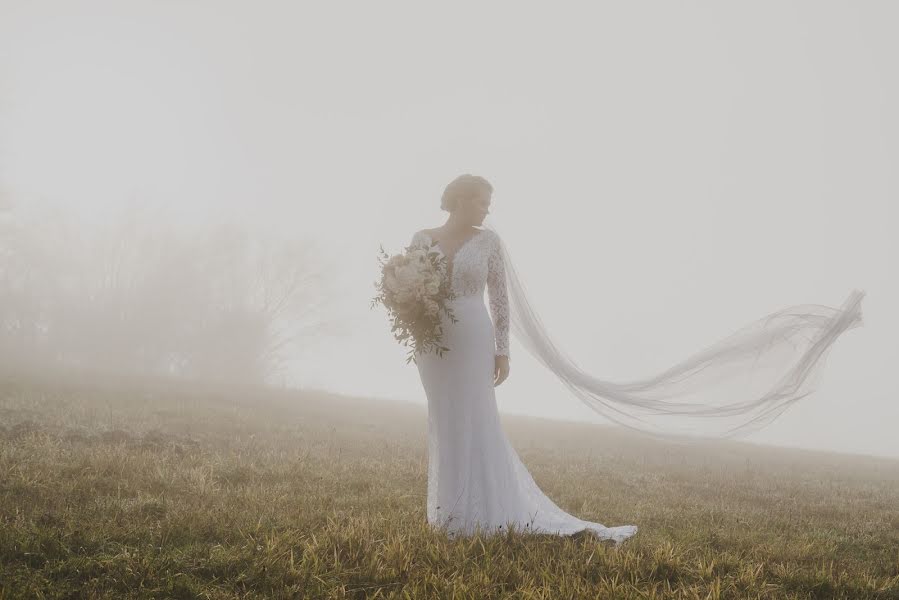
(476, 480)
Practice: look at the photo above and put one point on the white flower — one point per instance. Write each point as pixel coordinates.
(407, 276)
(417, 255)
(390, 280)
(395, 261)
(432, 286)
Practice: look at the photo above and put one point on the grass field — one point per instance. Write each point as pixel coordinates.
(131, 489)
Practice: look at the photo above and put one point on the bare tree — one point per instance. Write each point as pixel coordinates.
(141, 296)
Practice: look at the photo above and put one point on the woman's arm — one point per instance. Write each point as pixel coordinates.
(499, 299)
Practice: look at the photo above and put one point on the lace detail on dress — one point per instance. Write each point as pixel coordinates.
(499, 299)
(478, 265)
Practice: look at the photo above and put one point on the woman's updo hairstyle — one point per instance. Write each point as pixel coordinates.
(462, 187)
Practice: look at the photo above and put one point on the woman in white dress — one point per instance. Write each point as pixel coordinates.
(475, 478)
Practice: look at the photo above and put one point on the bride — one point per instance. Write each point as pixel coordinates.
(476, 480)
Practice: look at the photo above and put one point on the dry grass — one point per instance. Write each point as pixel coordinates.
(137, 490)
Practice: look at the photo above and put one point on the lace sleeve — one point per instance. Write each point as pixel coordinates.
(499, 299)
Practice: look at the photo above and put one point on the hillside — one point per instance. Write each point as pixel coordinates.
(126, 488)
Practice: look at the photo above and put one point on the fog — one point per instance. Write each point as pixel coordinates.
(200, 189)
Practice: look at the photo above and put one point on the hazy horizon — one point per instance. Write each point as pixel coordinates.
(716, 163)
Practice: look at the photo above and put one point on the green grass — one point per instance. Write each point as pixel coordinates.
(130, 489)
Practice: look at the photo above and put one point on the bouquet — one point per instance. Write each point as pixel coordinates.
(414, 292)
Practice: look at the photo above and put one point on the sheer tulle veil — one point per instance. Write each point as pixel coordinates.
(729, 389)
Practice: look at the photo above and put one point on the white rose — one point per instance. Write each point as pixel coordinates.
(406, 276)
(394, 261)
(390, 280)
(417, 255)
(403, 296)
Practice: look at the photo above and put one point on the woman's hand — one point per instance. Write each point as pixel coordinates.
(500, 369)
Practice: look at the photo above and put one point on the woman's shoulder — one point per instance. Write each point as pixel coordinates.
(491, 233)
(422, 236)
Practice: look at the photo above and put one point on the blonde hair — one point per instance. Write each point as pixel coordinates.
(462, 187)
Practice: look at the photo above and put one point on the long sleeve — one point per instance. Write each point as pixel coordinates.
(499, 299)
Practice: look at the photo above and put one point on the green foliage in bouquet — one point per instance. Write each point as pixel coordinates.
(414, 289)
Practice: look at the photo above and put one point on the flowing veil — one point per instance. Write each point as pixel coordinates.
(729, 389)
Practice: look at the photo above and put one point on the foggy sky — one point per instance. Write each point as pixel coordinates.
(664, 173)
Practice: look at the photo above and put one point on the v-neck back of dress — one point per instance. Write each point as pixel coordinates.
(451, 259)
